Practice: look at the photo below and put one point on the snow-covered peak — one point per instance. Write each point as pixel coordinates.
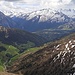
(12, 13)
(45, 12)
(46, 15)
(42, 13)
(69, 12)
(9, 11)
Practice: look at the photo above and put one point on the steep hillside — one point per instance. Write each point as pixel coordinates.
(13, 42)
(6, 53)
(58, 58)
(17, 37)
(6, 21)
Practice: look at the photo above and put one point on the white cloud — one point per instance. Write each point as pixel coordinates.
(31, 5)
(66, 1)
(50, 3)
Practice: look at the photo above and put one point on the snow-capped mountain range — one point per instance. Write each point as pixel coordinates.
(46, 15)
(69, 12)
(11, 13)
(41, 19)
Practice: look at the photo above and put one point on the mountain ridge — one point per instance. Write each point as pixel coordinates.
(42, 19)
(37, 20)
(6, 21)
(13, 42)
(55, 59)
(17, 37)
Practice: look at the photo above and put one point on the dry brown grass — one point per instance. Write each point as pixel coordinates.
(6, 73)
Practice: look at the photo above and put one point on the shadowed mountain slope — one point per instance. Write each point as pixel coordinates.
(17, 37)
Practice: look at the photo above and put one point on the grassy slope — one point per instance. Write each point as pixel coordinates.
(7, 54)
(26, 52)
(14, 54)
(11, 40)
